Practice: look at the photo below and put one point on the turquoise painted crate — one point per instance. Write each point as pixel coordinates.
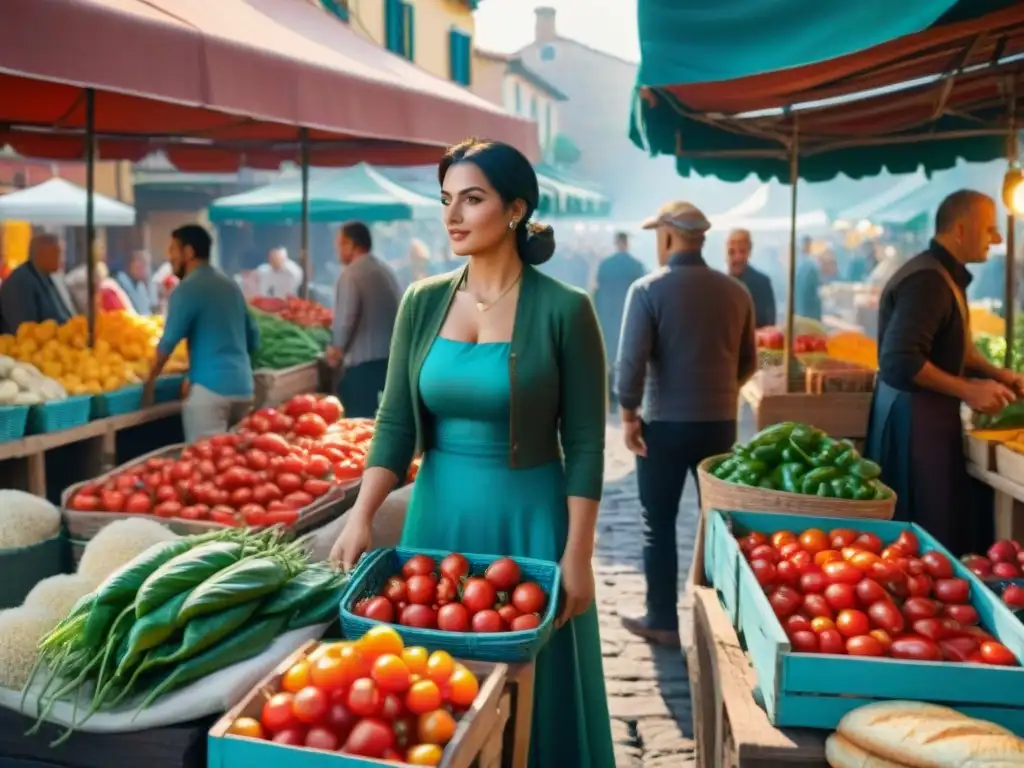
(477, 727)
(117, 403)
(816, 690)
(59, 415)
(168, 388)
(523, 646)
(13, 419)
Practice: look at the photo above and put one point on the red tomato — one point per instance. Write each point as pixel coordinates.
(919, 585)
(852, 623)
(841, 596)
(883, 637)
(764, 572)
(379, 609)
(285, 517)
(814, 540)
(937, 565)
(886, 616)
(321, 738)
(421, 616)
(916, 648)
(803, 562)
(272, 444)
(841, 537)
(364, 698)
(505, 573)
(524, 622)
(916, 608)
(780, 538)
(328, 408)
(455, 567)
(299, 405)
(962, 614)
(167, 509)
(240, 497)
(318, 466)
(508, 614)
(395, 590)
(310, 705)
(788, 550)
(293, 737)
(421, 589)
(391, 674)
(298, 500)
(479, 595)
(447, 592)
(166, 492)
(112, 501)
(796, 623)
(277, 714)
(815, 606)
(998, 654)
(453, 618)
(288, 482)
(370, 737)
(393, 707)
(786, 573)
(830, 641)
(784, 601)
(958, 649)
(842, 573)
(869, 542)
(955, 591)
(528, 597)
(310, 425)
(254, 515)
(864, 645)
(340, 720)
(418, 565)
(804, 641)
(486, 621)
(766, 552)
(870, 591)
(224, 516)
(908, 543)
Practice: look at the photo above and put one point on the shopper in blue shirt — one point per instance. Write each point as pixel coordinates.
(208, 311)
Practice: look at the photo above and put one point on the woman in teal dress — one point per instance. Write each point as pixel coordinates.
(497, 375)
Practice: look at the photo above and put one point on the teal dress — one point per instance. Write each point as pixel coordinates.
(468, 499)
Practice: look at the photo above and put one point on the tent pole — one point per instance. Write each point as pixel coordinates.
(1009, 300)
(794, 177)
(304, 248)
(90, 213)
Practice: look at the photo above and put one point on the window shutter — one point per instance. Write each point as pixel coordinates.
(393, 25)
(409, 31)
(460, 56)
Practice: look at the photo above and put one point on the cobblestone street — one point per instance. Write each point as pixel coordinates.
(648, 686)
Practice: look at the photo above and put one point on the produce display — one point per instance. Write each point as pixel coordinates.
(122, 355)
(24, 384)
(277, 464)
(1003, 560)
(284, 344)
(797, 458)
(177, 613)
(295, 310)
(26, 520)
(373, 697)
(448, 597)
(848, 592)
(854, 348)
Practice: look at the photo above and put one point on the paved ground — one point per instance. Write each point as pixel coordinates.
(648, 686)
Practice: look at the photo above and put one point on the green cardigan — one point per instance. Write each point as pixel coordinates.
(556, 371)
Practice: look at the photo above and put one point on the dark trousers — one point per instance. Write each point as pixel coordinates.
(613, 401)
(674, 449)
(360, 388)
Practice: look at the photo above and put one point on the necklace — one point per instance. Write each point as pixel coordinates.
(483, 306)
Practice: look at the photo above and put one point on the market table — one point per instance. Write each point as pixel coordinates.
(1008, 508)
(730, 729)
(23, 462)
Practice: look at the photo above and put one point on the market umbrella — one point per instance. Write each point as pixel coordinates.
(58, 202)
(360, 192)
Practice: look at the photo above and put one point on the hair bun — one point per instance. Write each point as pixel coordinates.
(540, 244)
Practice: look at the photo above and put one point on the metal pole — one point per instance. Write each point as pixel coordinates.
(1009, 298)
(90, 224)
(794, 176)
(304, 248)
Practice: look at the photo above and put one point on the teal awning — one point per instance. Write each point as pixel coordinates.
(360, 192)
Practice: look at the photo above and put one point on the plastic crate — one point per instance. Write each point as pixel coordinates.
(13, 419)
(59, 415)
(523, 646)
(118, 402)
(168, 388)
(810, 690)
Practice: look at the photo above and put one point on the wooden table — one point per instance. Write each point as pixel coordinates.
(1008, 508)
(23, 462)
(731, 730)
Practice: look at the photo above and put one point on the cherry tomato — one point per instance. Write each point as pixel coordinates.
(997, 653)
(370, 737)
(803, 561)
(424, 696)
(138, 504)
(421, 589)
(248, 727)
(869, 542)
(767, 552)
(277, 714)
(503, 574)
(455, 567)
(390, 674)
(764, 572)
(841, 537)
(415, 658)
(364, 698)
(395, 590)
(339, 719)
(446, 591)
(296, 678)
(784, 601)
(841, 596)
(787, 573)
(424, 754)
(852, 623)
(780, 538)
(955, 591)
(418, 565)
(831, 641)
(916, 608)
(815, 606)
(787, 550)
(915, 647)
(525, 621)
(796, 623)
(919, 585)
(883, 637)
(813, 583)
(486, 621)
(421, 616)
(908, 542)
(864, 645)
(937, 565)
(436, 727)
(963, 614)
(752, 540)
(322, 738)
(827, 556)
(886, 616)
(819, 624)
(814, 540)
(804, 641)
(479, 594)
(293, 737)
(310, 705)
(453, 618)
(870, 591)
(842, 573)
(958, 649)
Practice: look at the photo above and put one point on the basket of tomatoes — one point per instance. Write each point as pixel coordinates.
(354, 703)
(479, 607)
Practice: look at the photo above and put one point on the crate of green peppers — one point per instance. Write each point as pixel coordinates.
(796, 468)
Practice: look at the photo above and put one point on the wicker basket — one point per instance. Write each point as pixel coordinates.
(718, 494)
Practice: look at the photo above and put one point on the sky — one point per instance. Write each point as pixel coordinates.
(505, 26)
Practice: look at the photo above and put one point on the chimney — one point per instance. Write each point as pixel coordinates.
(545, 28)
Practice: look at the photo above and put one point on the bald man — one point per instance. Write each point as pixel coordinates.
(29, 294)
(738, 247)
(927, 366)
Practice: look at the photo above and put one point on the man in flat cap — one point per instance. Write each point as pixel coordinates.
(687, 345)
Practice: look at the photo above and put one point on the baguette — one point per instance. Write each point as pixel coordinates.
(842, 753)
(922, 735)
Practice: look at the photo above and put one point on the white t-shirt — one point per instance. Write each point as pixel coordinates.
(279, 283)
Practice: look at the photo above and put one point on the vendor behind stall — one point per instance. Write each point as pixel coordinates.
(925, 355)
(29, 294)
(208, 311)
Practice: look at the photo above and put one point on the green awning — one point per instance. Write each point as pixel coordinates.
(360, 192)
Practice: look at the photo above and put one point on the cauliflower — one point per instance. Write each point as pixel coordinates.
(56, 596)
(26, 520)
(21, 629)
(118, 543)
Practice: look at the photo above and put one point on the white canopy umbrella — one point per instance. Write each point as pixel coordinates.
(58, 202)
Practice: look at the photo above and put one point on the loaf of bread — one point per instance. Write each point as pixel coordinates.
(842, 753)
(920, 735)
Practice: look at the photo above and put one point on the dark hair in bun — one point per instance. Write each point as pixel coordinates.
(513, 178)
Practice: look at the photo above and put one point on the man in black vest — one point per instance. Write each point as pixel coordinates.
(926, 361)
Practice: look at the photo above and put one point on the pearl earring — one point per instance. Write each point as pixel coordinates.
(512, 224)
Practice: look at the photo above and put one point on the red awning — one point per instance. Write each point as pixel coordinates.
(931, 53)
(236, 78)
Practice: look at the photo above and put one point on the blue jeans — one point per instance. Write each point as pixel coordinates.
(674, 449)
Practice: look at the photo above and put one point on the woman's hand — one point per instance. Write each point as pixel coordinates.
(354, 540)
(577, 585)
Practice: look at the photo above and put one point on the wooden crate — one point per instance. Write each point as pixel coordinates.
(730, 729)
(478, 739)
(274, 387)
(816, 690)
(520, 689)
(833, 376)
(840, 414)
(1009, 464)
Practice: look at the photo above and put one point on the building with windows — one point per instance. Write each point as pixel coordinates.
(435, 34)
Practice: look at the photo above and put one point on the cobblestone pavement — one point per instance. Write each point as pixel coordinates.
(648, 686)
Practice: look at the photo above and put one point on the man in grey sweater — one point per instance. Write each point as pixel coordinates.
(687, 345)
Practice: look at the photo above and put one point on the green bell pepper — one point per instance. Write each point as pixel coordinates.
(865, 469)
